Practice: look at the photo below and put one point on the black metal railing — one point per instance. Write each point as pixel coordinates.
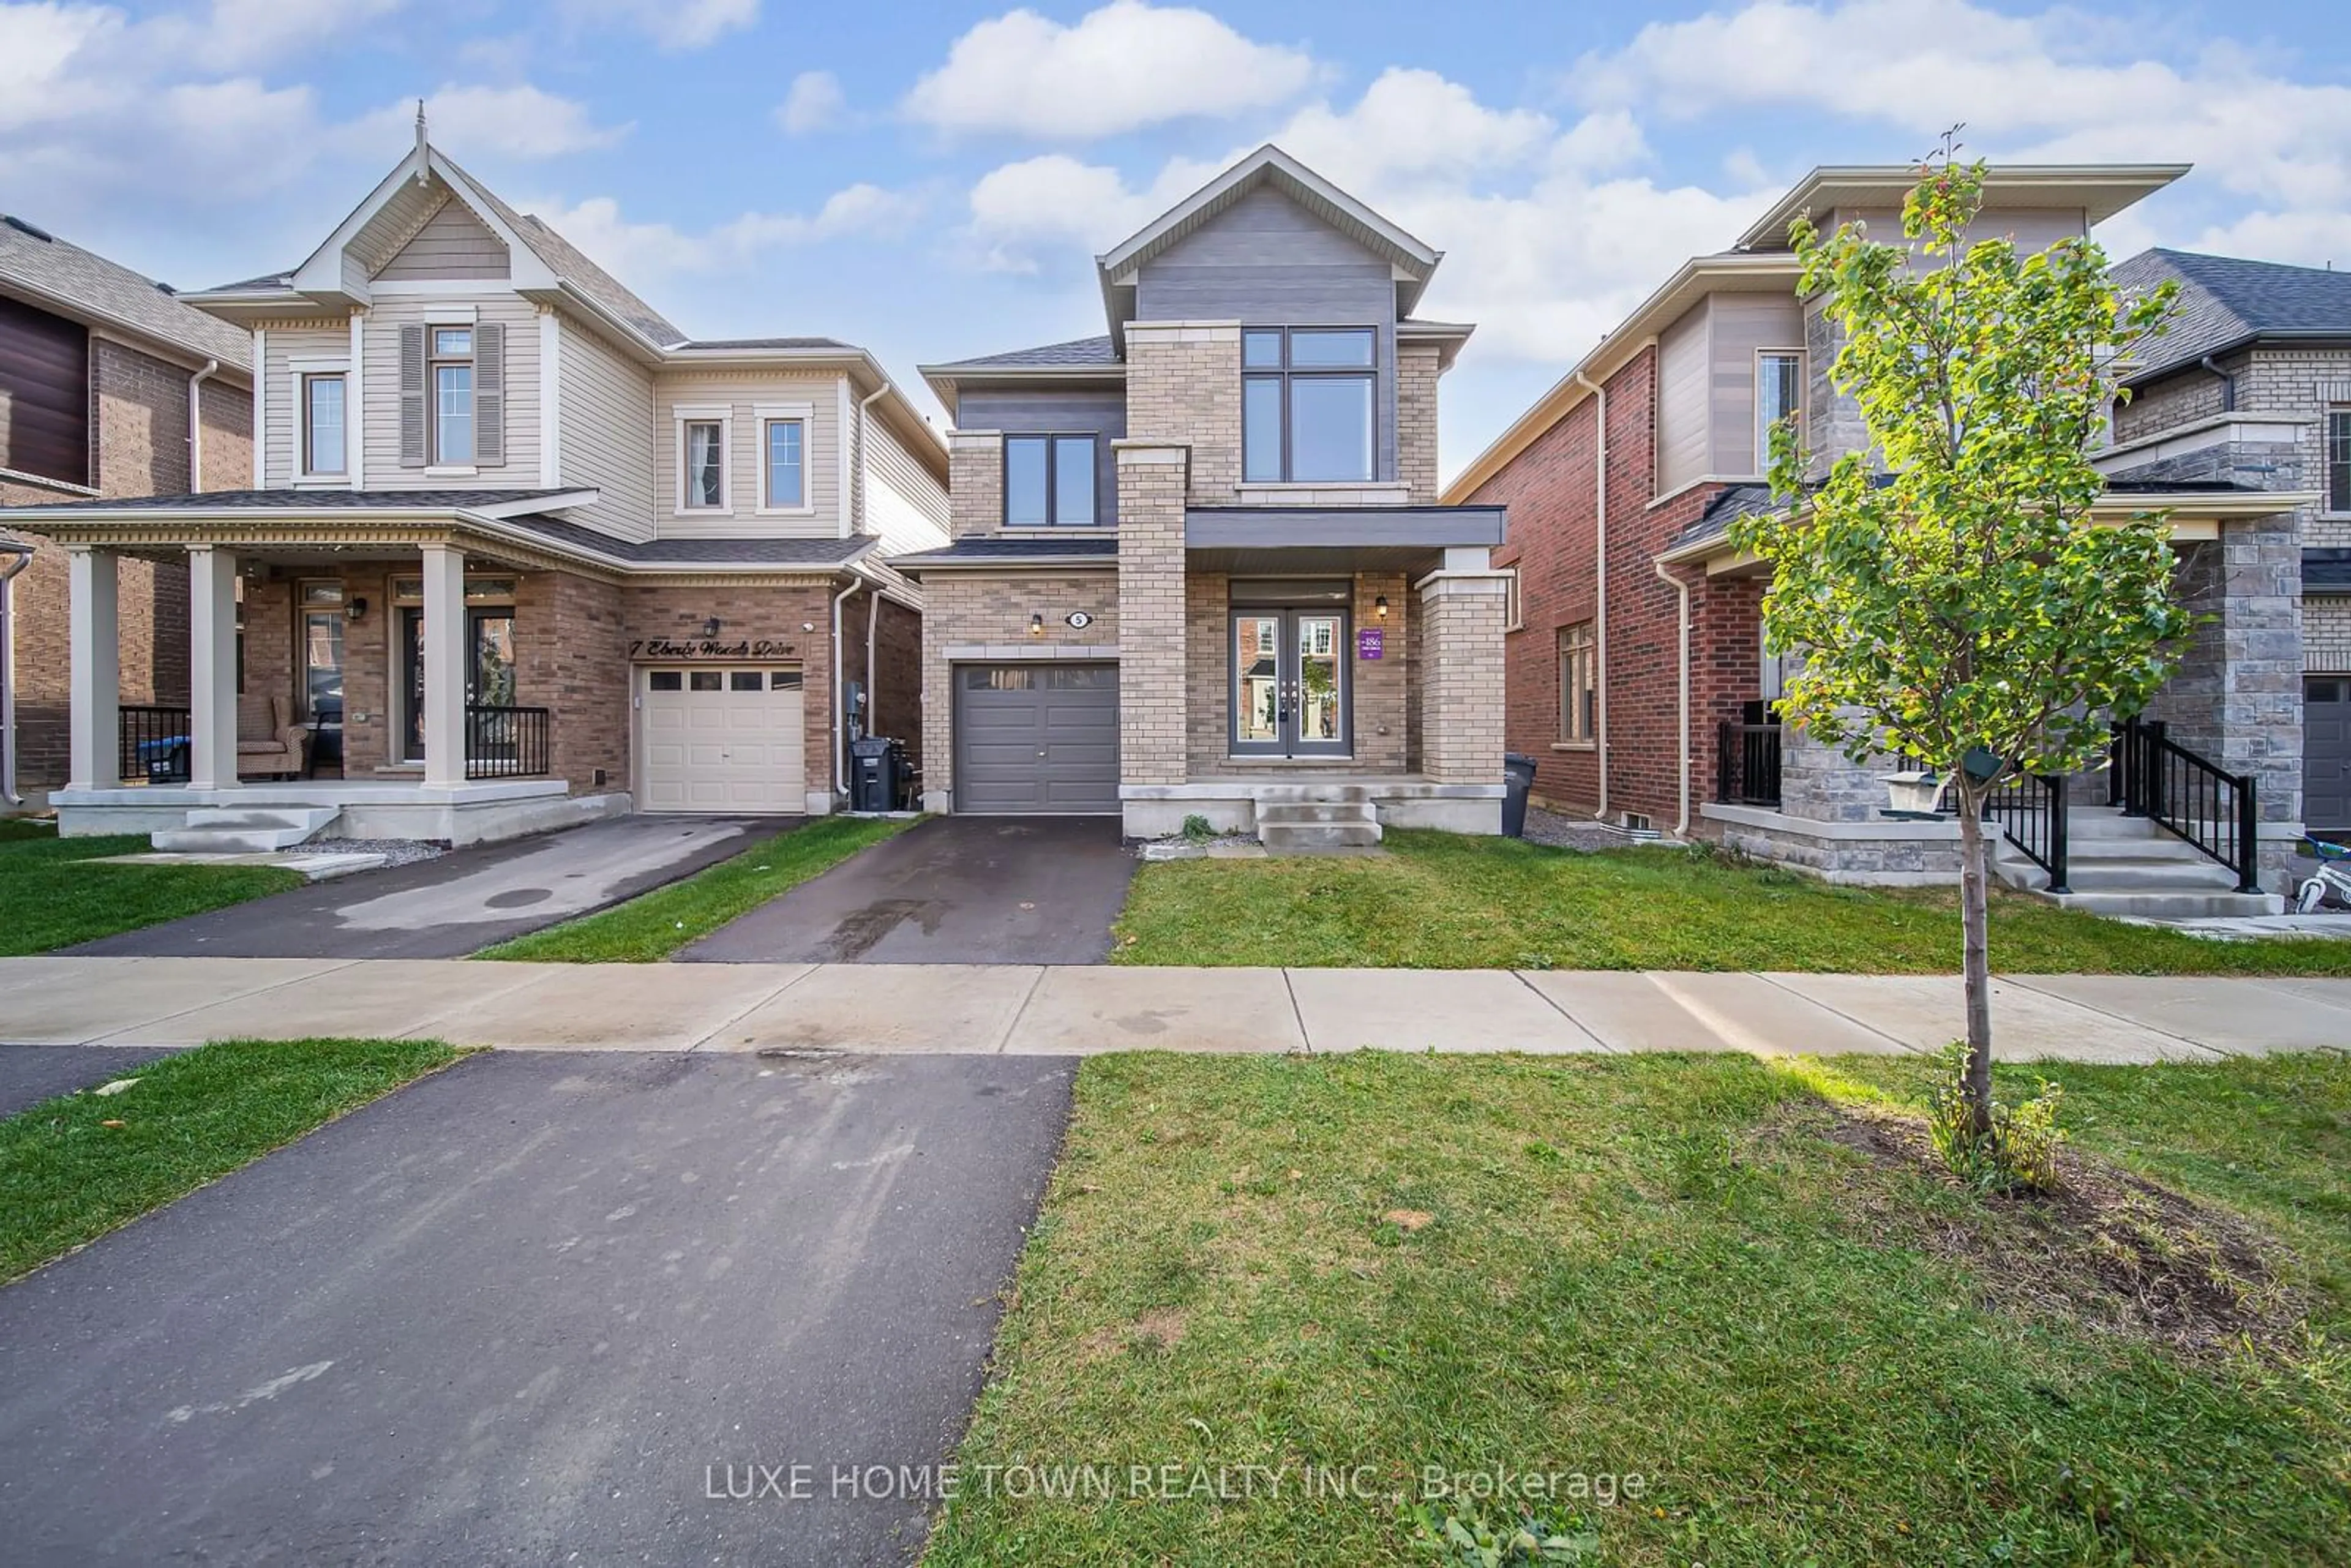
(1747, 764)
(2031, 809)
(504, 742)
(153, 742)
(2157, 777)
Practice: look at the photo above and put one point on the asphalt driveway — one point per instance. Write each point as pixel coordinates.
(530, 1309)
(32, 1074)
(459, 902)
(953, 890)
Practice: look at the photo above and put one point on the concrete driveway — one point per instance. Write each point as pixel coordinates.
(954, 890)
(529, 1311)
(459, 902)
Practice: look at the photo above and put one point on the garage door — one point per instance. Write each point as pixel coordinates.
(2326, 753)
(725, 739)
(1036, 738)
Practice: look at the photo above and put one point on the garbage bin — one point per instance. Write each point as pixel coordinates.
(1517, 778)
(874, 763)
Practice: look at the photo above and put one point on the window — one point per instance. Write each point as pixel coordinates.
(1514, 610)
(784, 681)
(1778, 394)
(706, 465)
(1307, 402)
(323, 652)
(1049, 481)
(1579, 698)
(743, 681)
(2338, 459)
(451, 377)
(666, 681)
(787, 465)
(702, 680)
(322, 424)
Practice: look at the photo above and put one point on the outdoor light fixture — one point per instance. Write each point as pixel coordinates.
(710, 627)
(354, 609)
(1380, 607)
(1037, 625)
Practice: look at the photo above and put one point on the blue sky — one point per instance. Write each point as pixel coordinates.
(930, 181)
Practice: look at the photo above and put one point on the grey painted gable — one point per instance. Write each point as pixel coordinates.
(1056, 411)
(1267, 261)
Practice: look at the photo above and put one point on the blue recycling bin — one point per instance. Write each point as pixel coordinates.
(165, 760)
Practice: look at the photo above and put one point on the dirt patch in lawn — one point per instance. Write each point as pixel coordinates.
(2109, 1249)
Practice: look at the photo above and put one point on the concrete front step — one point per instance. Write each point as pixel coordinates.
(1308, 794)
(1287, 838)
(2166, 875)
(2180, 905)
(1299, 813)
(244, 830)
(312, 818)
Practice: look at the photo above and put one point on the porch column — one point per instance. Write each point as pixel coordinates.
(95, 656)
(1462, 608)
(211, 668)
(1151, 676)
(444, 665)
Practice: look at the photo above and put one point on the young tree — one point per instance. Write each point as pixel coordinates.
(1948, 590)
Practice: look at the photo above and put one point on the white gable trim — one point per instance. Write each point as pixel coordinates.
(1402, 249)
(321, 273)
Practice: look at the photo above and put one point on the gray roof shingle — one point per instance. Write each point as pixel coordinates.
(40, 264)
(309, 501)
(1081, 352)
(2225, 300)
(765, 344)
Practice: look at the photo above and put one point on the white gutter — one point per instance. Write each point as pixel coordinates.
(841, 743)
(1599, 575)
(1682, 683)
(15, 557)
(196, 426)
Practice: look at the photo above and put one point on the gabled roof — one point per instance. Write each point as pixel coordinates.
(1078, 351)
(57, 276)
(2226, 302)
(1412, 260)
(2099, 190)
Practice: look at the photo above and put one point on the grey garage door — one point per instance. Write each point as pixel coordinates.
(1036, 738)
(2326, 753)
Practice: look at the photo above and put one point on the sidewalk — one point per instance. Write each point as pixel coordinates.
(1022, 1009)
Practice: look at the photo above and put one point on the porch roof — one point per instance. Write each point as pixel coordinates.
(1334, 539)
(978, 552)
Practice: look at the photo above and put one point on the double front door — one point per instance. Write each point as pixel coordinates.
(489, 668)
(1290, 679)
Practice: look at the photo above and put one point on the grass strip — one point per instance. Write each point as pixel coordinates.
(51, 897)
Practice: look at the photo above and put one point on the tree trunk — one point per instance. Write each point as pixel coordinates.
(1975, 927)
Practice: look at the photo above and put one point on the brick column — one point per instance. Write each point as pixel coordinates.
(1151, 477)
(1458, 666)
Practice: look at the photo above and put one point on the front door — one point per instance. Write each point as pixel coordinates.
(489, 668)
(1290, 696)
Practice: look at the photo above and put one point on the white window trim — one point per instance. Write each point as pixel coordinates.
(452, 320)
(1514, 606)
(299, 372)
(1804, 358)
(804, 414)
(723, 416)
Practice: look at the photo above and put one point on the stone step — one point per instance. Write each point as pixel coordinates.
(2194, 876)
(1308, 812)
(308, 818)
(226, 840)
(1290, 837)
(1308, 794)
(2182, 905)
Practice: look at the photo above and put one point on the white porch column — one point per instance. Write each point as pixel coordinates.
(444, 665)
(211, 668)
(95, 684)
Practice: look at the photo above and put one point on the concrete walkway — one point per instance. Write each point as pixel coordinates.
(1027, 1010)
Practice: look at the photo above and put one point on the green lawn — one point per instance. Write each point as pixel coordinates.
(67, 1176)
(50, 897)
(654, 925)
(1444, 901)
(1700, 1272)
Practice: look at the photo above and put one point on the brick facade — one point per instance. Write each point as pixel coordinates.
(138, 424)
(974, 610)
(1183, 386)
(975, 481)
(775, 612)
(1416, 373)
(2326, 634)
(1154, 676)
(1461, 667)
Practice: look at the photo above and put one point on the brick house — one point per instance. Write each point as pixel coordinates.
(100, 369)
(1199, 565)
(510, 551)
(1638, 673)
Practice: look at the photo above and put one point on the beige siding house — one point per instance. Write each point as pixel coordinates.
(513, 551)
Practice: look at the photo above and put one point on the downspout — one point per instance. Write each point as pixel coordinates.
(2227, 383)
(1600, 572)
(196, 426)
(15, 557)
(873, 627)
(841, 734)
(1682, 689)
(857, 520)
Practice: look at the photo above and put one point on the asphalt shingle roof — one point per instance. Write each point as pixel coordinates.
(2226, 300)
(766, 343)
(310, 501)
(1077, 351)
(43, 265)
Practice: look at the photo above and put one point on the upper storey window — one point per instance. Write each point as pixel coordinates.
(452, 395)
(1307, 401)
(1049, 481)
(1778, 394)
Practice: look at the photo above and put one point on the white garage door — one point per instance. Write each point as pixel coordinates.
(726, 740)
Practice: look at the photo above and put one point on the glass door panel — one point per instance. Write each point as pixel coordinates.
(1257, 656)
(1289, 682)
(1321, 718)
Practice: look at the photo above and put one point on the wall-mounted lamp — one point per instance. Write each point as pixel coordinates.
(1037, 625)
(1380, 607)
(354, 609)
(710, 627)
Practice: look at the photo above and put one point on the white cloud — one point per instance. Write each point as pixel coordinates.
(671, 23)
(1126, 66)
(645, 254)
(814, 104)
(1409, 124)
(513, 122)
(237, 33)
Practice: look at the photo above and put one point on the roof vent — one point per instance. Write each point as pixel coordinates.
(166, 288)
(21, 226)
